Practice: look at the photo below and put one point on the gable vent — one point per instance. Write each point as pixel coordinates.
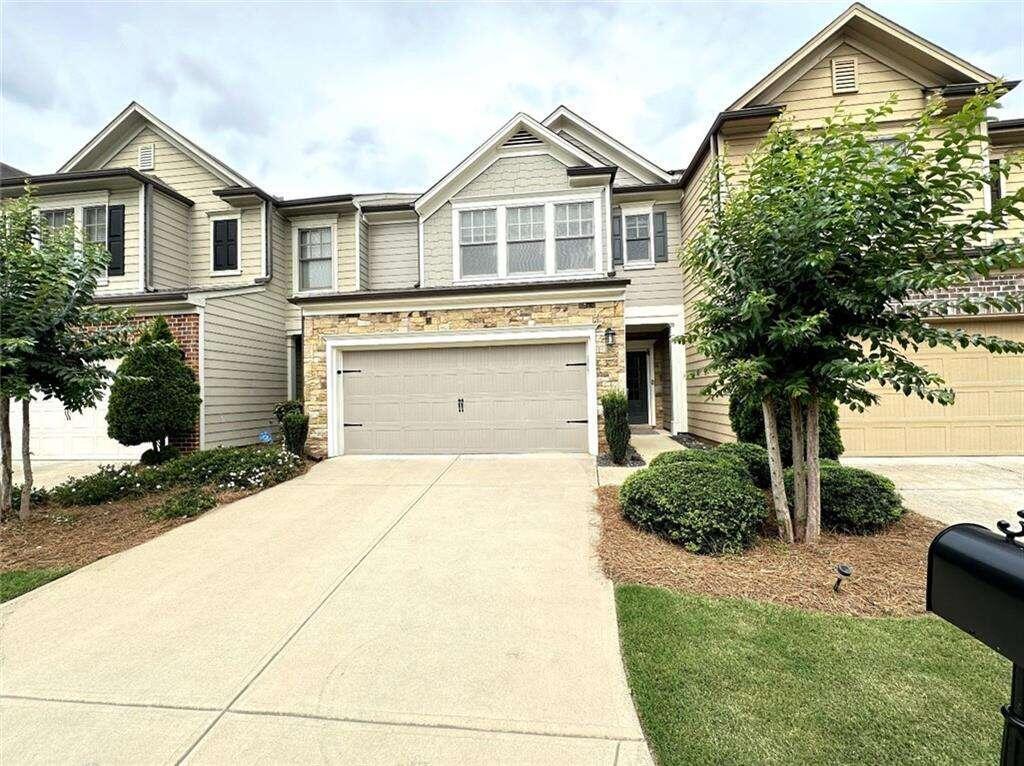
(521, 138)
(844, 75)
(147, 157)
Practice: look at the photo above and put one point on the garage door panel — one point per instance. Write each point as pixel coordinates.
(517, 398)
(987, 417)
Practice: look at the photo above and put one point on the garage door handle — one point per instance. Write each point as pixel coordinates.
(353, 425)
(578, 421)
(462, 405)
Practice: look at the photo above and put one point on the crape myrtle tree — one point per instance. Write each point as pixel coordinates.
(816, 264)
(53, 338)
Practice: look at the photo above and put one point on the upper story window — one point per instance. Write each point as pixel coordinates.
(525, 237)
(478, 242)
(94, 224)
(225, 245)
(315, 258)
(58, 218)
(574, 236)
(638, 239)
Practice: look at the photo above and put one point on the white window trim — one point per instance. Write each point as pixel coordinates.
(237, 215)
(315, 223)
(77, 203)
(335, 347)
(548, 202)
(640, 208)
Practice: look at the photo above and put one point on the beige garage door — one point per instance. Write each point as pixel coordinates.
(516, 398)
(986, 419)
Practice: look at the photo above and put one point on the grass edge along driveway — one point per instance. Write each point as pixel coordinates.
(727, 681)
(19, 581)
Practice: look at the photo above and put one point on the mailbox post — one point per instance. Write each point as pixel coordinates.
(976, 582)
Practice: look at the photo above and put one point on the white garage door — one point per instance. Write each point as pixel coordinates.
(515, 398)
(56, 435)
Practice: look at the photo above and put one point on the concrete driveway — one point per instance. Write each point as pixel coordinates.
(50, 473)
(955, 489)
(376, 610)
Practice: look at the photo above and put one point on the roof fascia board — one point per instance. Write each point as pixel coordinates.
(616, 147)
(427, 203)
(871, 18)
(218, 168)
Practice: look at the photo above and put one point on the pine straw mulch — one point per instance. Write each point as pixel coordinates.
(888, 568)
(67, 538)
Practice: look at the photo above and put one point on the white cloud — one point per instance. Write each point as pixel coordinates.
(320, 98)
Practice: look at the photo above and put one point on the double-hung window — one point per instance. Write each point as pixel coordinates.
(58, 219)
(94, 224)
(478, 242)
(574, 236)
(638, 239)
(315, 259)
(525, 237)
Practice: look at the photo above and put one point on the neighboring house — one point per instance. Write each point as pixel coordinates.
(488, 313)
(8, 171)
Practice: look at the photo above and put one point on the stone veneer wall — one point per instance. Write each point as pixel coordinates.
(611, 362)
(185, 329)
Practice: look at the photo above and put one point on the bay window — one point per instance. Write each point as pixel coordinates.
(525, 238)
(574, 236)
(478, 242)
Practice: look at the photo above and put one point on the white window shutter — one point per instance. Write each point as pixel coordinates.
(844, 75)
(147, 157)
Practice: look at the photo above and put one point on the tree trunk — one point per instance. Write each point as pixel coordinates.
(798, 425)
(771, 434)
(813, 471)
(26, 463)
(6, 473)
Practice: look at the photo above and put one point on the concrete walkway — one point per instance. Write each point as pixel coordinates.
(955, 489)
(422, 610)
(649, 443)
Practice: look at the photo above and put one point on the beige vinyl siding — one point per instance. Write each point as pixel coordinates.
(170, 242)
(393, 256)
(129, 282)
(188, 177)
(364, 254)
(245, 365)
(281, 237)
(662, 283)
(346, 252)
(1010, 186)
(437, 248)
(706, 418)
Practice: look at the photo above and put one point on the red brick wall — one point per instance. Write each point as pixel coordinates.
(185, 329)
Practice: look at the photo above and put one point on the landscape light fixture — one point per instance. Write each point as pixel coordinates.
(844, 570)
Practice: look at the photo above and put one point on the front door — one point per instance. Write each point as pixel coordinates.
(637, 386)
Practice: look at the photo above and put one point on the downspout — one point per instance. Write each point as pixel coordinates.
(266, 221)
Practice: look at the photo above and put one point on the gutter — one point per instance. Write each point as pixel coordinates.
(151, 297)
(768, 110)
(371, 295)
(304, 201)
(996, 126)
(969, 88)
(577, 171)
(96, 175)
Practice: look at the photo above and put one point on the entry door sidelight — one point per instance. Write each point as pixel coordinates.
(637, 386)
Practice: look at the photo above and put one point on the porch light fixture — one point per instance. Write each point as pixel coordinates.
(609, 337)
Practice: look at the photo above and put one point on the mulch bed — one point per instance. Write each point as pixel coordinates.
(888, 568)
(68, 538)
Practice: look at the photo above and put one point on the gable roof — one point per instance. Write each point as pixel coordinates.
(923, 59)
(608, 147)
(564, 151)
(125, 126)
(9, 171)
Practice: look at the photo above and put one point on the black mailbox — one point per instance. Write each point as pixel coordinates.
(976, 582)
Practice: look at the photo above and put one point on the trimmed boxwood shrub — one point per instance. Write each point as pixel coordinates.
(616, 424)
(754, 457)
(702, 458)
(295, 426)
(853, 500)
(747, 422)
(706, 507)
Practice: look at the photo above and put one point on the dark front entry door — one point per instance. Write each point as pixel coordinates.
(637, 388)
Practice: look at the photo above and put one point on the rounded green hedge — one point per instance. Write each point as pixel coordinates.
(747, 422)
(703, 458)
(707, 507)
(754, 458)
(853, 500)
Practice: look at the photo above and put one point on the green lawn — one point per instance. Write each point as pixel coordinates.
(736, 682)
(13, 584)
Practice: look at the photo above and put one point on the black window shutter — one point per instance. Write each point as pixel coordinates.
(660, 238)
(225, 245)
(616, 237)
(115, 240)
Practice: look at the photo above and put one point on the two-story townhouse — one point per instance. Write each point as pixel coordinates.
(488, 313)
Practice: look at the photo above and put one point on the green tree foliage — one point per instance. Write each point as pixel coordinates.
(816, 268)
(54, 339)
(155, 394)
(747, 421)
(616, 424)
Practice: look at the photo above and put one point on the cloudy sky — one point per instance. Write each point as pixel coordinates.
(321, 98)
